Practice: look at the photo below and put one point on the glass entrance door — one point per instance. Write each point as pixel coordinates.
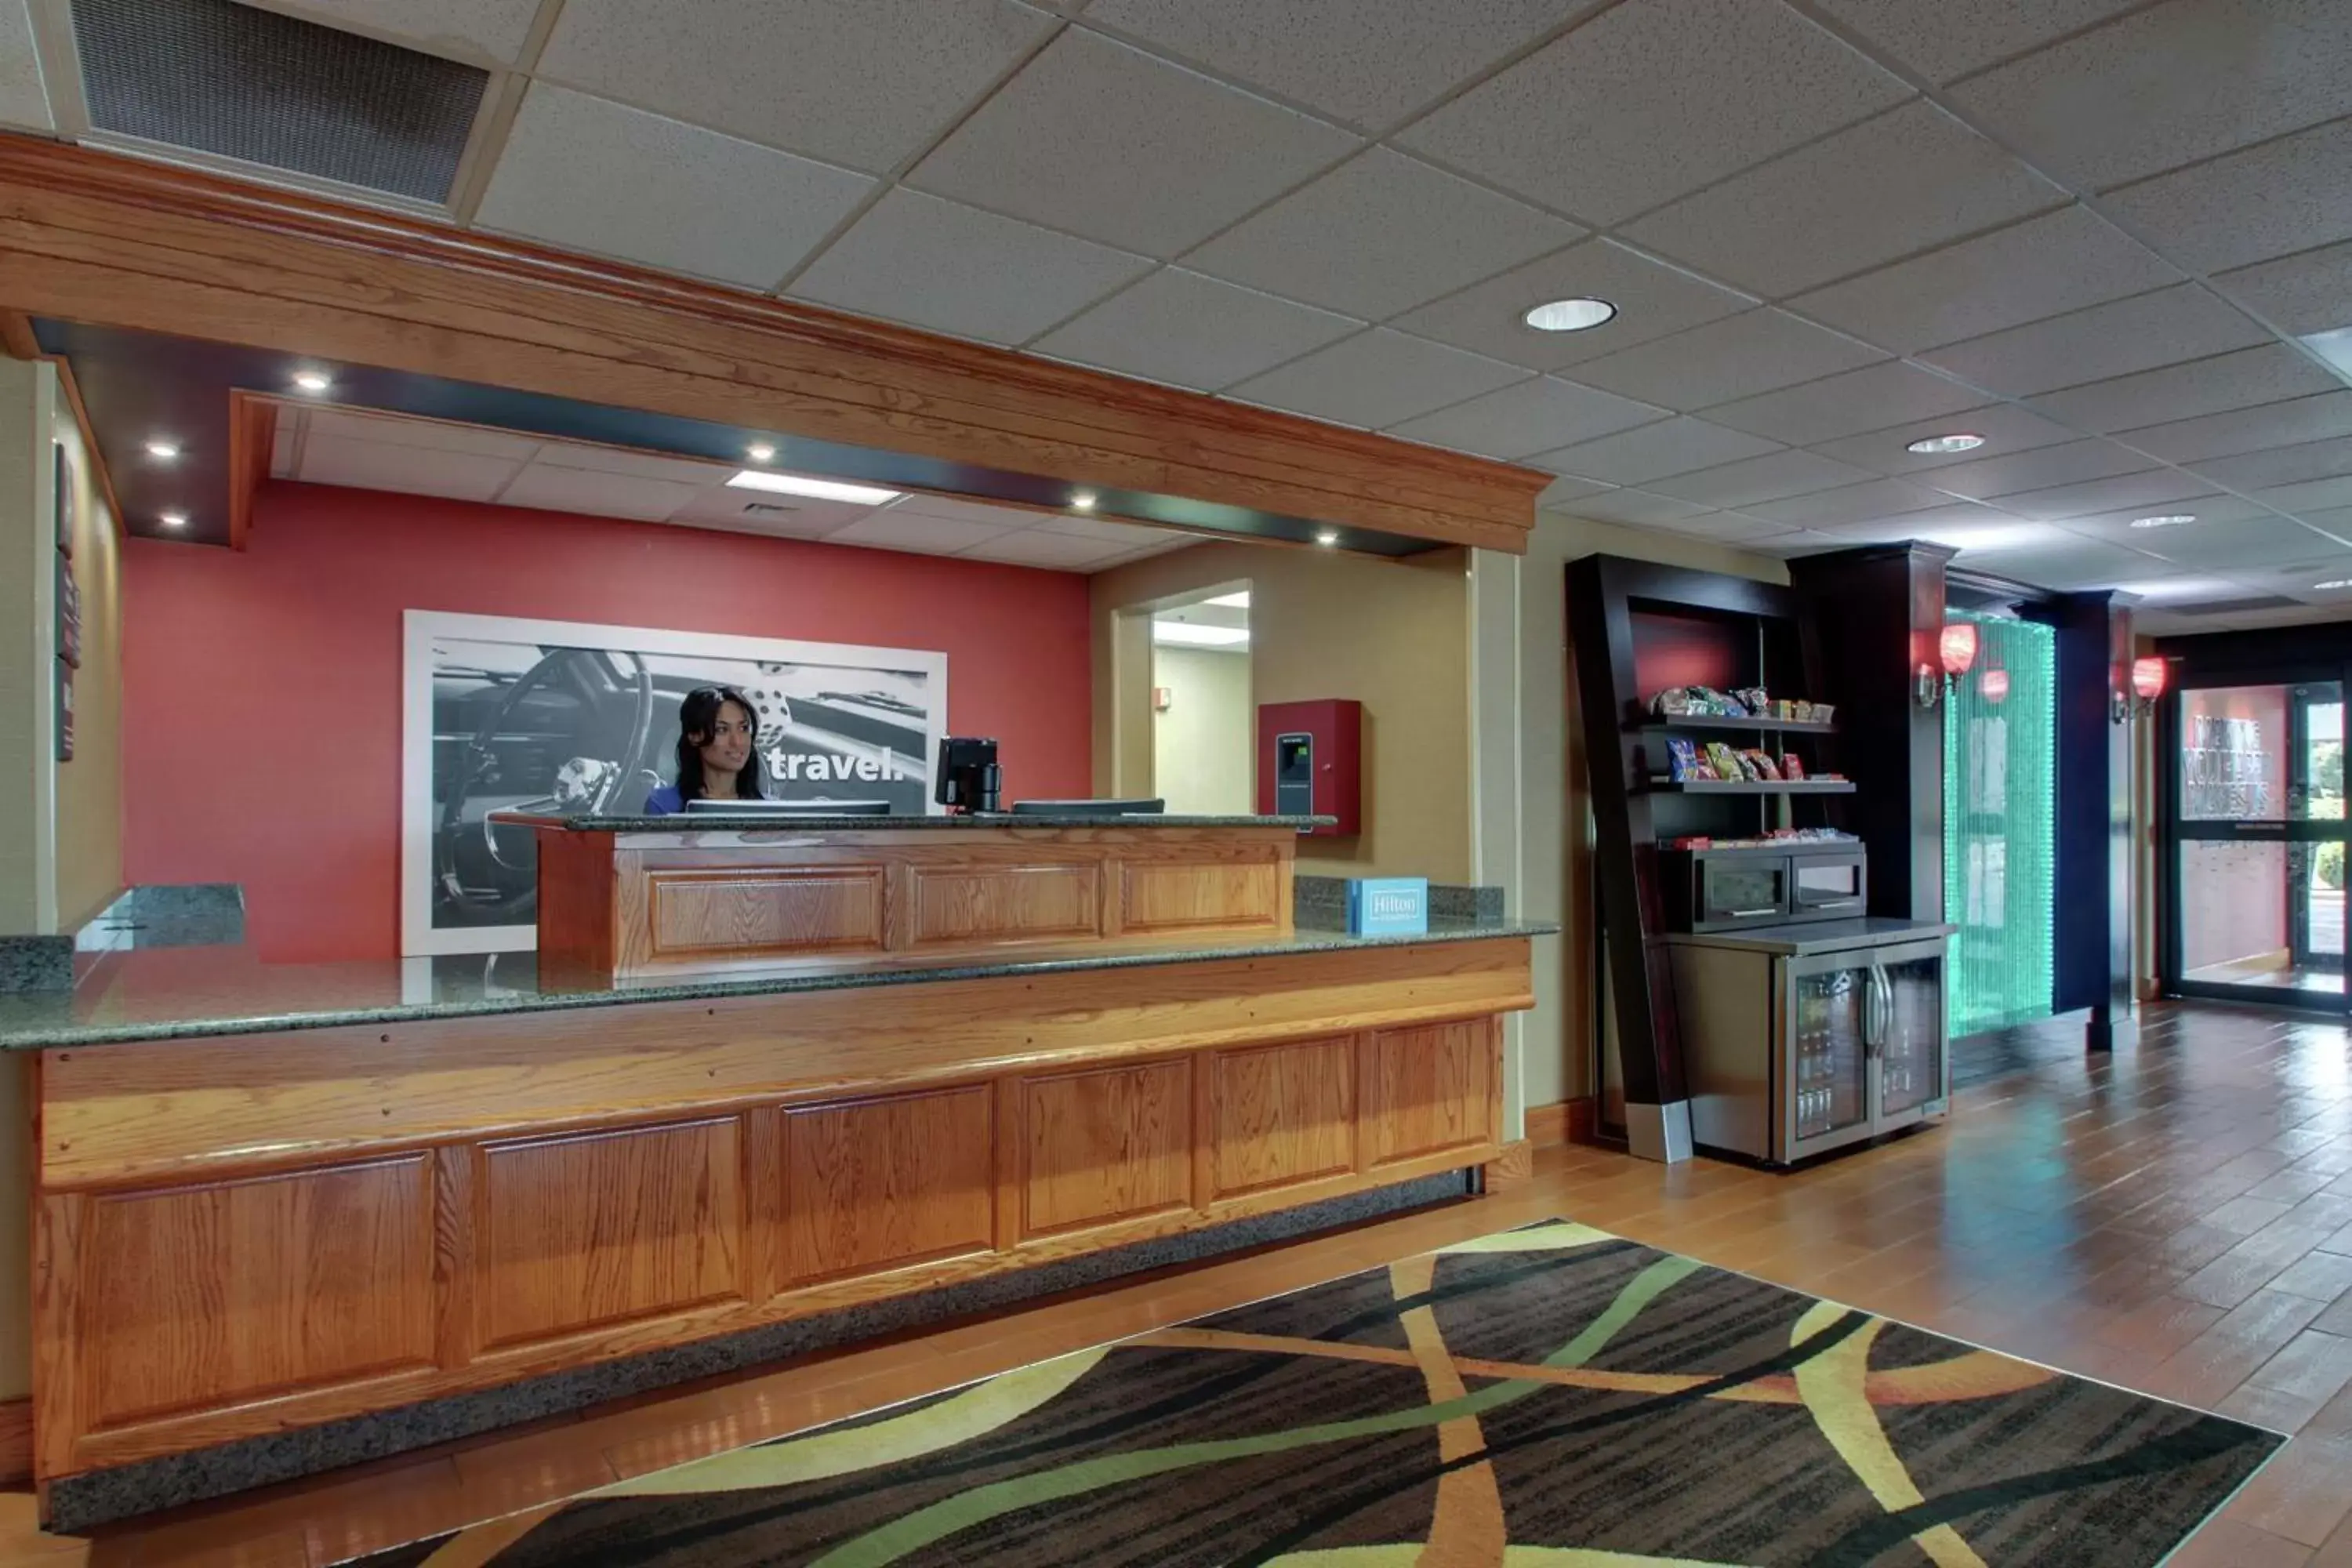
(2257, 836)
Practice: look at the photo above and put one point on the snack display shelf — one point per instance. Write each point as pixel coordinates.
(1750, 787)
(1724, 721)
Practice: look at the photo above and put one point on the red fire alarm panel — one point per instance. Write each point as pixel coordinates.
(1310, 762)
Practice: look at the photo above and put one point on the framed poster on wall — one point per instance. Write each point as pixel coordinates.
(62, 494)
(560, 718)
(65, 725)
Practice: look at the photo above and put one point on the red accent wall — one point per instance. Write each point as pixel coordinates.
(261, 701)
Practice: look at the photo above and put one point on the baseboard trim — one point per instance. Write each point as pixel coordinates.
(1563, 1121)
(1514, 1166)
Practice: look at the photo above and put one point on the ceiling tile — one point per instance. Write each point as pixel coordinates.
(698, 203)
(1562, 493)
(480, 32)
(24, 101)
(1655, 451)
(2179, 323)
(1377, 378)
(2039, 468)
(2158, 487)
(1737, 357)
(2043, 267)
(864, 83)
(2284, 196)
(634, 464)
(382, 466)
(962, 511)
(1059, 551)
(774, 516)
(1754, 481)
(2280, 465)
(2246, 541)
(2007, 429)
(1864, 502)
(1634, 507)
(2064, 563)
(1958, 524)
(1189, 331)
(1942, 39)
(430, 435)
(1657, 98)
(2169, 85)
(2309, 497)
(1729, 528)
(1372, 62)
(2248, 429)
(2299, 294)
(597, 494)
(1378, 234)
(1532, 417)
(1126, 536)
(895, 530)
(954, 269)
(2117, 527)
(2271, 373)
(1870, 398)
(1101, 139)
(1909, 179)
(1652, 298)
(2337, 522)
(281, 451)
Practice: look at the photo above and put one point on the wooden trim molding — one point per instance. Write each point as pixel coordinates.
(16, 1440)
(252, 431)
(96, 239)
(1562, 1121)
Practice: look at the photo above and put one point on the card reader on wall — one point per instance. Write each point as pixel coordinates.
(1310, 762)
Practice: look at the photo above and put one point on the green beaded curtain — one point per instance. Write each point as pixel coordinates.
(2000, 801)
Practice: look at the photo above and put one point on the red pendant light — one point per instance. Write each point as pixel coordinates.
(1958, 647)
(1994, 684)
(2147, 678)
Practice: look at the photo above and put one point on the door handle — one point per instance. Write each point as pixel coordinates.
(1750, 914)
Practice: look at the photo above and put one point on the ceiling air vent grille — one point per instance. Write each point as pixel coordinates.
(2236, 606)
(241, 83)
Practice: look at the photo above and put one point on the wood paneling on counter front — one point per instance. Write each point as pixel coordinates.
(252, 1233)
(92, 236)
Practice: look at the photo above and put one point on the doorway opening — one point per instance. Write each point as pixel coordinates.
(1203, 717)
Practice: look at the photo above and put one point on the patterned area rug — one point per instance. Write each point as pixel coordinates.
(1547, 1397)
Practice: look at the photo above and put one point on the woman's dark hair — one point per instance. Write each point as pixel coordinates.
(698, 717)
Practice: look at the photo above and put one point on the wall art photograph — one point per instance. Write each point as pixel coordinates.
(559, 717)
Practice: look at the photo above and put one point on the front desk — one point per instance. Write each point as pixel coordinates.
(297, 1212)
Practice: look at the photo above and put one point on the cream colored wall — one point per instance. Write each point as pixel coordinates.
(27, 604)
(1556, 818)
(1201, 741)
(1392, 635)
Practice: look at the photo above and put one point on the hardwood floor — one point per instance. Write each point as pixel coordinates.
(2176, 1219)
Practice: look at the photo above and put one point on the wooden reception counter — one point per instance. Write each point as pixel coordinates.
(320, 1212)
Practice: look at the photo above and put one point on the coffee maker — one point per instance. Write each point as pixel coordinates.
(969, 780)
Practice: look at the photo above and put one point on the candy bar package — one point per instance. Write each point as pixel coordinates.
(1724, 760)
(1754, 699)
(1682, 760)
(1792, 766)
(1762, 764)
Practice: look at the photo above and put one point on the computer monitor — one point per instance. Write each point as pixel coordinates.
(1088, 808)
(788, 807)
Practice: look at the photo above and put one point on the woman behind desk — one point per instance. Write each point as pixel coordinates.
(718, 754)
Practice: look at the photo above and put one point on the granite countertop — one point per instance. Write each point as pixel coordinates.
(190, 993)
(1806, 938)
(749, 822)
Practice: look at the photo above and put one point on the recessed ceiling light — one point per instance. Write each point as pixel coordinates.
(1569, 315)
(1083, 501)
(2169, 520)
(1198, 636)
(174, 519)
(760, 452)
(1959, 441)
(823, 489)
(163, 450)
(1231, 601)
(313, 379)
(2333, 583)
(1327, 536)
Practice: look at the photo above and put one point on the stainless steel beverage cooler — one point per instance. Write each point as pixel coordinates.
(1798, 1039)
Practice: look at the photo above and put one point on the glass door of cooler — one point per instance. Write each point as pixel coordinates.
(1908, 1035)
(1825, 1063)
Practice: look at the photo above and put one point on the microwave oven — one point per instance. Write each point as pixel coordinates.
(1762, 885)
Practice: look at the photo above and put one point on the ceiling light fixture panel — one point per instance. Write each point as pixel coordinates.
(808, 485)
(2166, 520)
(1580, 315)
(1940, 445)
